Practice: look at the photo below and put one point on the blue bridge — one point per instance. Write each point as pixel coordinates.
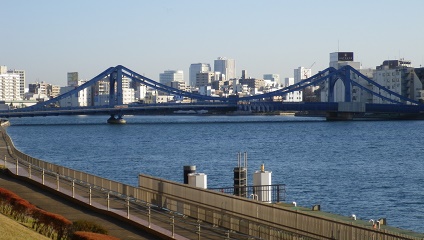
(393, 104)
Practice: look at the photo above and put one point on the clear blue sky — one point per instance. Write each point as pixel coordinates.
(49, 38)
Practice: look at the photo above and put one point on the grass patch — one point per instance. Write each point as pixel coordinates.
(12, 230)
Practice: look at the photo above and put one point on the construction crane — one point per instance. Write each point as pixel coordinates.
(305, 71)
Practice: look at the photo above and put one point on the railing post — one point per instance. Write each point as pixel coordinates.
(29, 170)
(89, 195)
(108, 199)
(5, 163)
(128, 207)
(17, 166)
(73, 188)
(42, 177)
(278, 193)
(173, 225)
(57, 181)
(198, 230)
(227, 235)
(149, 213)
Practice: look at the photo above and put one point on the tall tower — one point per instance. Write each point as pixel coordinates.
(197, 68)
(226, 67)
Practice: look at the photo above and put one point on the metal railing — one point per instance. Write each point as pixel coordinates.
(274, 193)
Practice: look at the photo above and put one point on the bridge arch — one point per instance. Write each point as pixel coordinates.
(342, 82)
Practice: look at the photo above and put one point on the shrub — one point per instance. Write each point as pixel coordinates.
(87, 226)
(91, 236)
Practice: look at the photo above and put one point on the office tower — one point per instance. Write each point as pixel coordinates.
(226, 67)
(171, 75)
(197, 68)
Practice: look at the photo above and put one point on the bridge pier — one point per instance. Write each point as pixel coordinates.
(339, 116)
(116, 120)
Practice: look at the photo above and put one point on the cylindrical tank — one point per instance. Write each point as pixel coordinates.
(262, 182)
(198, 180)
(187, 170)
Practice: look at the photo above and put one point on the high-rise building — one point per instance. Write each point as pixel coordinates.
(72, 79)
(197, 68)
(226, 67)
(171, 75)
(21, 74)
(273, 77)
(10, 85)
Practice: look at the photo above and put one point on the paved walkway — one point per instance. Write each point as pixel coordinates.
(52, 203)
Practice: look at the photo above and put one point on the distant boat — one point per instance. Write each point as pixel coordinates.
(113, 120)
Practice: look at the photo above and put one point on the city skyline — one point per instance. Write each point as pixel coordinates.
(49, 39)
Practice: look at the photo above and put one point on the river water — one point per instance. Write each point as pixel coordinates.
(373, 169)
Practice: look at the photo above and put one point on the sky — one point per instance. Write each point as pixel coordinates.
(48, 38)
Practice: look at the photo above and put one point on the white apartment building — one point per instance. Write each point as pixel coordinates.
(171, 75)
(295, 96)
(197, 68)
(10, 85)
(398, 76)
(21, 74)
(141, 92)
(226, 67)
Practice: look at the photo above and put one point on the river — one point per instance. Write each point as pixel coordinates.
(373, 169)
